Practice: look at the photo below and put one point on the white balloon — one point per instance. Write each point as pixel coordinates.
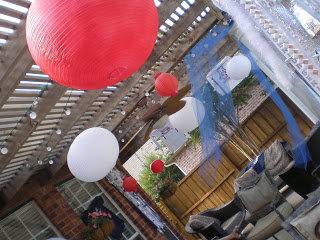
(93, 154)
(186, 119)
(238, 67)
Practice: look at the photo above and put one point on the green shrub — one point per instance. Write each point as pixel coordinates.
(195, 137)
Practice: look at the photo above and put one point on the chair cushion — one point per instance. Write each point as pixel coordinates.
(271, 238)
(247, 178)
(270, 224)
(198, 223)
(276, 159)
(257, 196)
(229, 224)
(283, 234)
(306, 222)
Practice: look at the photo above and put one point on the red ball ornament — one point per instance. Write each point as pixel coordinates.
(130, 184)
(157, 166)
(91, 44)
(166, 84)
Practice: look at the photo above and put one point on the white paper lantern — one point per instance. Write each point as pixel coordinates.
(238, 67)
(93, 154)
(186, 119)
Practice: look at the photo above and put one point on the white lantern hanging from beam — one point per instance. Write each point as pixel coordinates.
(189, 117)
(93, 154)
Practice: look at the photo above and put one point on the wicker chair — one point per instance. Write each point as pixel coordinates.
(261, 201)
(218, 222)
(277, 159)
(266, 207)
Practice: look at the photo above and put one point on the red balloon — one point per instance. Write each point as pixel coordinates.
(130, 184)
(157, 166)
(166, 84)
(91, 44)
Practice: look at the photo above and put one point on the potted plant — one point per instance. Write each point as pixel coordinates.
(166, 188)
(156, 184)
(100, 226)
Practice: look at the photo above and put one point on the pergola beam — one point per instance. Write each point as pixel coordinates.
(27, 126)
(171, 62)
(168, 39)
(15, 61)
(78, 109)
(18, 62)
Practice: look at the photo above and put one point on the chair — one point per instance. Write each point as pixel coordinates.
(277, 159)
(266, 207)
(218, 222)
(301, 181)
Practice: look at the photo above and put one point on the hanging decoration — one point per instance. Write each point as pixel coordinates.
(217, 105)
(130, 184)
(93, 154)
(166, 84)
(301, 153)
(220, 121)
(157, 166)
(238, 67)
(189, 117)
(91, 44)
(156, 115)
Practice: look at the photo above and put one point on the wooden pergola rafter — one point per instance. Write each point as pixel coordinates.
(22, 84)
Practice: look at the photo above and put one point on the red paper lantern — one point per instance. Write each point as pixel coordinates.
(91, 44)
(166, 84)
(130, 184)
(157, 166)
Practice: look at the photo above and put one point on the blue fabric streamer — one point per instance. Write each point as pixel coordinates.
(218, 104)
(301, 153)
(215, 95)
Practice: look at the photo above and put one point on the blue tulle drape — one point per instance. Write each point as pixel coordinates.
(218, 104)
(209, 85)
(301, 153)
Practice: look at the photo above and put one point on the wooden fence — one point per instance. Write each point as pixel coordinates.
(193, 195)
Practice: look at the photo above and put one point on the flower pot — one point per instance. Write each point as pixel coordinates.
(107, 228)
(169, 192)
(97, 234)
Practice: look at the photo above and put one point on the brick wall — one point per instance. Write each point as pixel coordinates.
(143, 225)
(189, 157)
(59, 212)
(258, 96)
(65, 219)
(51, 202)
